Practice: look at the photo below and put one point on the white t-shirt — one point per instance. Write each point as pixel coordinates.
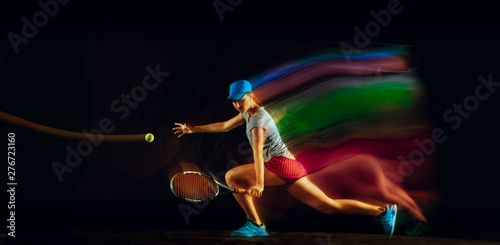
(273, 146)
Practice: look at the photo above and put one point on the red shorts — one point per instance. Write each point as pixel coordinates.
(289, 170)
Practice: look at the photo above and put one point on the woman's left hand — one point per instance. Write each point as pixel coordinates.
(255, 191)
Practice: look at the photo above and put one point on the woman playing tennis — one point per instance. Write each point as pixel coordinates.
(275, 165)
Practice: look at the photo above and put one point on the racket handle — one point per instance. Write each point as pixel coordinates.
(240, 191)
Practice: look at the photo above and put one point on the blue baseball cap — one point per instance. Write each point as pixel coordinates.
(238, 89)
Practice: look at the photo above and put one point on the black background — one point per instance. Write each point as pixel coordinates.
(91, 52)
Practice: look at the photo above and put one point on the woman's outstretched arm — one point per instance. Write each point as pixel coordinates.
(218, 127)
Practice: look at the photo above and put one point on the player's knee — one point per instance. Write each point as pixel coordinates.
(230, 178)
(233, 178)
(237, 179)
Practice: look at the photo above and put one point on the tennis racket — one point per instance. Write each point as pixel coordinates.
(194, 186)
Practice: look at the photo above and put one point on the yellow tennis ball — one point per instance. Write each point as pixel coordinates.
(149, 137)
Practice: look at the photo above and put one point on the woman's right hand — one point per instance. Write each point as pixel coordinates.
(182, 129)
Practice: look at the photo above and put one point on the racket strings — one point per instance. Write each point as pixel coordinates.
(194, 186)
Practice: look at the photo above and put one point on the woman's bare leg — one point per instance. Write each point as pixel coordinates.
(243, 177)
(305, 191)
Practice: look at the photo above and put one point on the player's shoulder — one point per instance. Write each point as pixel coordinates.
(262, 113)
(262, 110)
